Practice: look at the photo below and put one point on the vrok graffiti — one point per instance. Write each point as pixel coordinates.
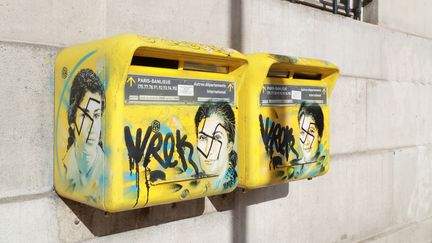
(150, 147)
(278, 141)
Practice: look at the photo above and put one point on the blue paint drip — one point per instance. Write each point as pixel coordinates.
(103, 182)
(132, 189)
(314, 171)
(65, 103)
(168, 147)
(189, 171)
(62, 97)
(320, 147)
(164, 129)
(107, 151)
(127, 176)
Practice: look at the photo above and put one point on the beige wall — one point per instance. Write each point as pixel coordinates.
(412, 17)
(381, 120)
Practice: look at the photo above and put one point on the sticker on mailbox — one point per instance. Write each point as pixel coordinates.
(282, 95)
(140, 89)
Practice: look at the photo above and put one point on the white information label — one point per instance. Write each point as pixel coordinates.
(296, 95)
(185, 90)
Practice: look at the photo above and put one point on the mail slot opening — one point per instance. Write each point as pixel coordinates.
(175, 64)
(154, 62)
(306, 75)
(204, 67)
(278, 73)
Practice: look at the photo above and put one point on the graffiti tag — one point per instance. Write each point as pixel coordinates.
(150, 147)
(278, 141)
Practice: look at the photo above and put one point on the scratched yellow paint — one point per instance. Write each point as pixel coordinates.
(94, 120)
(286, 157)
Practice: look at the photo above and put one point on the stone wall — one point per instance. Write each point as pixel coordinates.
(381, 118)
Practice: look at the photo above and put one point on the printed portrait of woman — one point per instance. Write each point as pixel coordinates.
(215, 131)
(311, 123)
(84, 157)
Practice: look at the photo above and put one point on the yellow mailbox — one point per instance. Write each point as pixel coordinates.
(284, 114)
(142, 121)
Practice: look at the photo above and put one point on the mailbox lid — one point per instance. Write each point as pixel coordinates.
(281, 88)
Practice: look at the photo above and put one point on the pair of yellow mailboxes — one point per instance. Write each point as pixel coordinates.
(143, 121)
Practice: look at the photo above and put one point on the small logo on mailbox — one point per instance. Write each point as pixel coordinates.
(155, 126)
(64, 72)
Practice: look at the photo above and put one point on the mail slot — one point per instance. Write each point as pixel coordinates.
(142, 121)
(284, 110)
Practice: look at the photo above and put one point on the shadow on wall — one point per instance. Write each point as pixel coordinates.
(245, 199)
(101, 223)
(236, 19)
(229, 201)
(238, 201)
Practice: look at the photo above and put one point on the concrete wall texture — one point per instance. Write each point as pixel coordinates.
(378, 189)
(408, 16)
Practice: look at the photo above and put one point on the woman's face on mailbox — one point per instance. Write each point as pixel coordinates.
(309, 138)
(88, 123)
(213, 145)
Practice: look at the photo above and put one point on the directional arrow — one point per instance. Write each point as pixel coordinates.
(230, 87)
(263, 90)
(130, 81)
(324, 91)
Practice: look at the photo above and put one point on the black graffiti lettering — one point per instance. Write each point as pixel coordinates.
(168, 155)
(157, 175)
(181, 144)
(265, 132)
(284, 141)
(135, 154)
(190, 157)
(290, 142)
(148, 149)
(153, 149)
(180, 150)
(276, 137)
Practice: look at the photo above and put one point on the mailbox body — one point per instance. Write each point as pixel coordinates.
(284, 107)
(137, 121)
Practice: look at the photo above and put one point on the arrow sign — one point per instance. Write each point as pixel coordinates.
(230, 87)
(263, 90)
(130, 81)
